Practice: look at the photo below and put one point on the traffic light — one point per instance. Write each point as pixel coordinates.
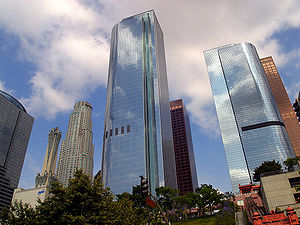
(144, 186)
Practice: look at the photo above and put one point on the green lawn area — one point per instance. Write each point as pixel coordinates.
(202, 221)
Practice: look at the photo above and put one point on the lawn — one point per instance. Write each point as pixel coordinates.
(202, 221)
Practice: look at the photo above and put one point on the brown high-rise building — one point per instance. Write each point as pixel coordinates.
(296, 106)
(183, 148)
(283, 103)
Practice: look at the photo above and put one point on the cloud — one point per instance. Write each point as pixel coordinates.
(205, 25)
(3, 88)
(68, 41)
(67, 45)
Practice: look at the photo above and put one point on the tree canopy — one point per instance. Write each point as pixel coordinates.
(291, 162)
(209, 195)
(266, 166)
(82, 202)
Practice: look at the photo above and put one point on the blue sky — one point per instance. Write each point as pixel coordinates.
(53, 53)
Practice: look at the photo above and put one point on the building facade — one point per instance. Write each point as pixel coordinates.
(15, 129)
(183, 148)
(296, 106)
(283, 103)
(281, 191)
(48, 172)
(251, 126)
(77, 149)
(42, 181)
(137, 130)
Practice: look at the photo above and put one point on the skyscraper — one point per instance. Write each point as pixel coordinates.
(48, 172)
(77, 150)
(296, 106)
(15, 129)
(42, 181)
(251, 126)
(283, 103)
(183, 147)
(137, 130)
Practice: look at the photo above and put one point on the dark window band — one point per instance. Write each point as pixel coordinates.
(265, 124)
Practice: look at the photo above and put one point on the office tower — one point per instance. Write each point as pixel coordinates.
(183, 148)
(283, 103)
(77, 150)
(48, 172)
(296, 106)
(137, 130)
(251, 126)
(15, 129)
(42, 181)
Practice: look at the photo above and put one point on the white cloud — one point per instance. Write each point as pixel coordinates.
(67, 40)
(3, 88)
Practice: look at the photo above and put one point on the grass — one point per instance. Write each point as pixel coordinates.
(202, 221)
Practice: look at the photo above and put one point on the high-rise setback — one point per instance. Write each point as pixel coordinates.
(48, 171)
(15, 129)
(283, 103)
(77, 149)
(251, 126)
(183, 148)
(137, 136)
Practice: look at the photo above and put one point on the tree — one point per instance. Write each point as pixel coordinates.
(166, 196)
(209, 195)
(266, 166)
(82, 202)
(291, 162)
(19, 214)
(185, 202)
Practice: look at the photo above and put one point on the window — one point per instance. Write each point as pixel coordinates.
(116, 131)
(122, 130)
(128, 128)
(106, 134)
(110, 132)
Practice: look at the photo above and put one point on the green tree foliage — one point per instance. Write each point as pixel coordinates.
(166, 196)
(19, 214)
(266, 166)
(291, 162)
(210, 196)
(82, 202)
(185, 202)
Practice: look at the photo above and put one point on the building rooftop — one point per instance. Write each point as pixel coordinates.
(13, 100)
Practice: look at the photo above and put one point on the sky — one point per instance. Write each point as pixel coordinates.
(55, 52)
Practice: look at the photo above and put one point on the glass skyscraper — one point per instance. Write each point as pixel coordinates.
(15, 130)
(251, 126)
(137, 131)
(77, 150)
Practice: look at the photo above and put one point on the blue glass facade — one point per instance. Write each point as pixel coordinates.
(137, 132)
(251, 126)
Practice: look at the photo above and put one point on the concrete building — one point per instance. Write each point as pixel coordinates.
(77, 149)
(48, 172)
(15, 129)
(183, 148)
(43, 180)
(30, 196)
(251, 125)
(281, 191)
(283, 103)
(137, 136)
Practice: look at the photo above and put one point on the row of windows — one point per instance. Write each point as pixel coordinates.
(117, 131)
